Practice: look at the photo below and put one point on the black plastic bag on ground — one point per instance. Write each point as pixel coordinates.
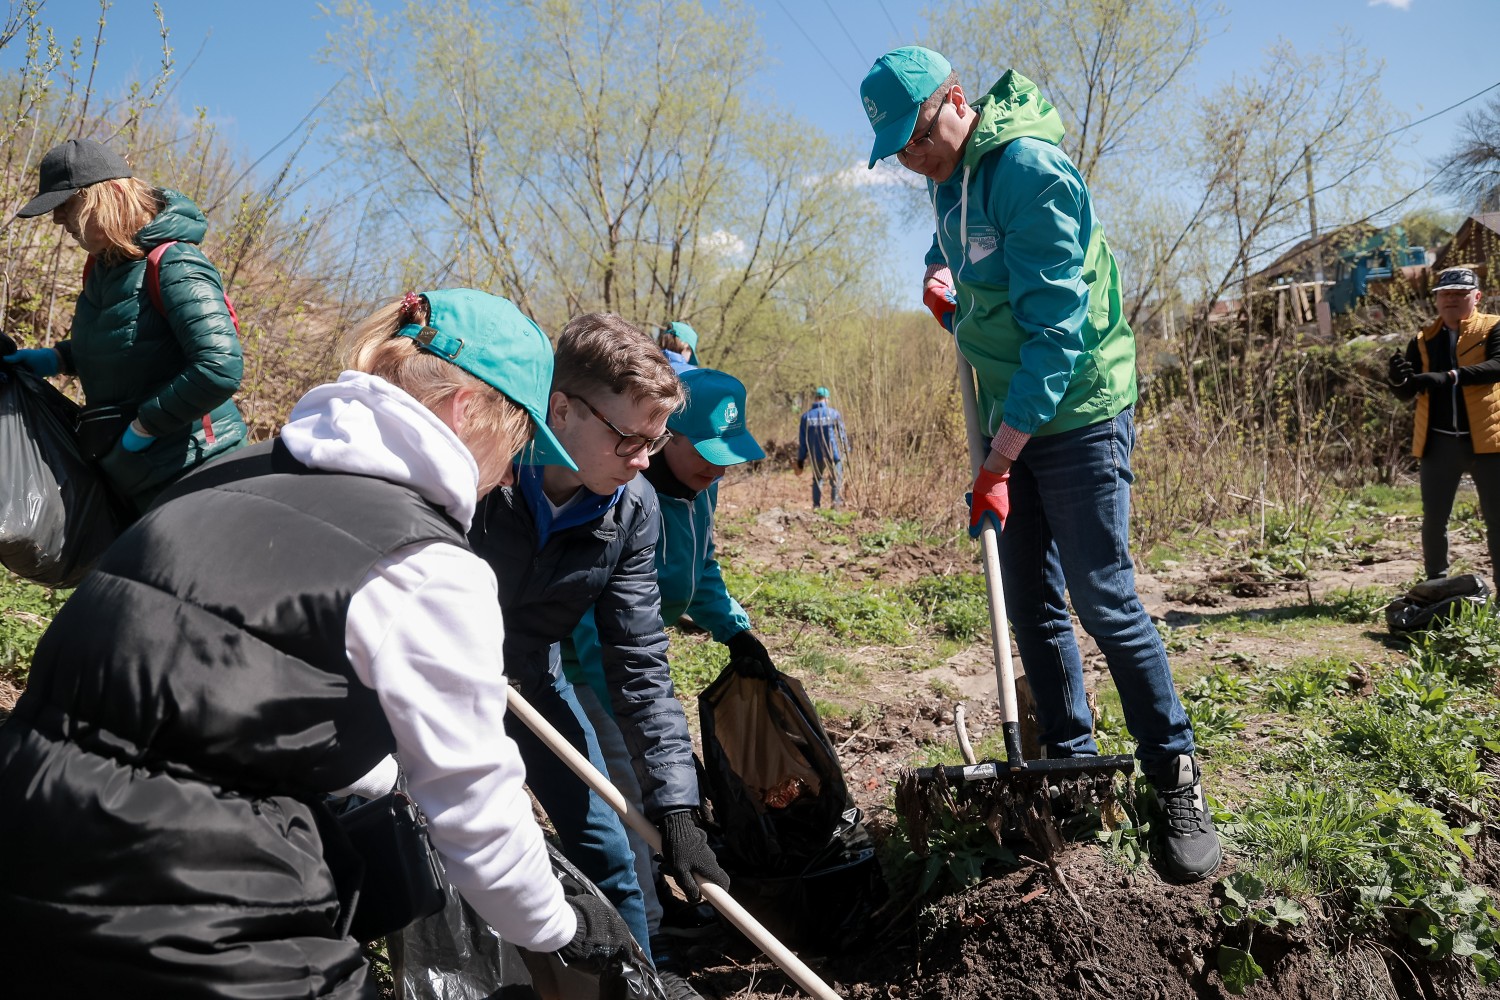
(774, 780)
(784, 825)
(456, 955)
(57, 514)
(826, 907)
(1429, 604)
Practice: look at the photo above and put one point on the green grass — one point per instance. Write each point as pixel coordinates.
(28, 612)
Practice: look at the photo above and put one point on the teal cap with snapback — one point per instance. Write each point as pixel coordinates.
(491, 339)
(684, 333)
(713, 418)
(893, 92)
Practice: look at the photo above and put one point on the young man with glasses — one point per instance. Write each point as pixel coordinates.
(1020, 272)
(584, 544)
(709, 435)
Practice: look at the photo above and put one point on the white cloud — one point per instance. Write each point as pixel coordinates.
(723, 243)
(1398, 4)
(883, 176)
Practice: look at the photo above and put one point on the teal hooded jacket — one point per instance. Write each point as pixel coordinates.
(169, 369)
(688, 575)
(1038, 311)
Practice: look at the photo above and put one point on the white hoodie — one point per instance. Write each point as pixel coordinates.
(424, 632)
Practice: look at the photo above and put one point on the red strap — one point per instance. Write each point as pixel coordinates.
(153, 275)
(153, 289)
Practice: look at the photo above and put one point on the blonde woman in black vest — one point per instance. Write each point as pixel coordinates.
(1452, 369)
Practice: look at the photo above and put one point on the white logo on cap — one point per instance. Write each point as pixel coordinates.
(731, 413)
(874, 112)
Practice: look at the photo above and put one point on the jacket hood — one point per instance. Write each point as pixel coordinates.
(181, 220)
(1012, 109)
(363, 425)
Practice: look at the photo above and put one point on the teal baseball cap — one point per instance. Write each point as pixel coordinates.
(893, 92)
(491, 339)
(822, 392)
(713, 418)
(684, 333)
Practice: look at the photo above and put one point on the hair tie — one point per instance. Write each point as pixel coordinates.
(411, 308)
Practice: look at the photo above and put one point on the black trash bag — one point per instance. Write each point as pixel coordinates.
(827, 907)
(781, 818)
(772, 776)
(456, 955)
(57, 513)
(1429, 604)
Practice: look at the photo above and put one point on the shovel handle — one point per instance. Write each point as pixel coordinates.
(719, 898)
(1005, 668)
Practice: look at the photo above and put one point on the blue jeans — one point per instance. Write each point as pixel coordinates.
(1078, 483)
(834, 471)
(592, 835)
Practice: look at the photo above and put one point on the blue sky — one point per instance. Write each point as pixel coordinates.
(253, 65)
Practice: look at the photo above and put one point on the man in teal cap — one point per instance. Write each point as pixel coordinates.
(709, 435)
(821, 438)
(679, 342)
(1020, 271)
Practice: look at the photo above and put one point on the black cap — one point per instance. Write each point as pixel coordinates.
(1457, 277)
(69, 168)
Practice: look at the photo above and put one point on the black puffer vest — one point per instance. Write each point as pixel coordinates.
(161, 778)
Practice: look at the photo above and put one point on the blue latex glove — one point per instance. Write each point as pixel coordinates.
(990, 499)
(134, 440)
(42, 361)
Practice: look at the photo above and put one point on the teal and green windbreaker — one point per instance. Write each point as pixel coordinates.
(1038, 313)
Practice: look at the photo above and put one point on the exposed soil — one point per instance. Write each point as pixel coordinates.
(1092, 928)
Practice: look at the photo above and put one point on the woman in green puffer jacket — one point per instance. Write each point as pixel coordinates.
(157, 381)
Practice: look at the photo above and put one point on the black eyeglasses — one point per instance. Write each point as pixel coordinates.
(918, 146)
(629, 445)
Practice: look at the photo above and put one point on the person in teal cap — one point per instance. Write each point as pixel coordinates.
(821, 438)
(1020, 271)
(679, 342)
(325, 610)
(709, 436)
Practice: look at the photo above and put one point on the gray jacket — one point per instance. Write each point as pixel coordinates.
(605, 567)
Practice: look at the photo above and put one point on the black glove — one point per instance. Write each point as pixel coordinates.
(748, 656)
(1400, 369)
(1427, 381)
(602, 935)
(685, 853)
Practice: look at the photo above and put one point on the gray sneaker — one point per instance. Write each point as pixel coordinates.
(1190, 845)
(675, 987)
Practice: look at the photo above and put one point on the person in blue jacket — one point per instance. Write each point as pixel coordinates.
(587, 540)
(679, 342)
(709, 435)
(822, 439)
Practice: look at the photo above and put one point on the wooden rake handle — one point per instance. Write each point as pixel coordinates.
(721, 900)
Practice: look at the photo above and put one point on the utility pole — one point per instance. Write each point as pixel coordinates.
(1325, 315)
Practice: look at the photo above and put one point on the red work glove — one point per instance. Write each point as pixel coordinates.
(990, 499)
(938, 297)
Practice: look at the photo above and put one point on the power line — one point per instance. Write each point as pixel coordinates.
(1402, 128)
(858, 52)
(826, 61)
(1449, 108)
(895, 31)
(1332, 231)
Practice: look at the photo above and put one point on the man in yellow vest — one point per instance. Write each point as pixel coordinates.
(1452, 369)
